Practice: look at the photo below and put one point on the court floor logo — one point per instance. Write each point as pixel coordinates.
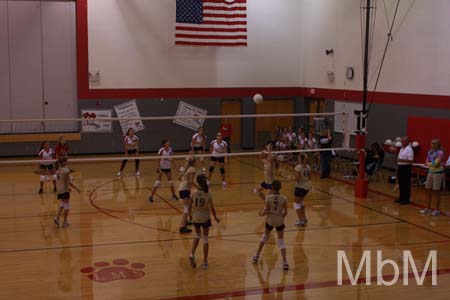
(381, 263)
(119, 269)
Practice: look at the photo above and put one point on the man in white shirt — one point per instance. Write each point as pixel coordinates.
(404, 162)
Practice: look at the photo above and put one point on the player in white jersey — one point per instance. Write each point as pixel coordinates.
(187, 178)
(302, 187)
(218, 150)
(202, 206)
(198, 146)
(164, 166)
(270, 163)
(275, 210)
(63, 189)
(131, 145)
(47, 155)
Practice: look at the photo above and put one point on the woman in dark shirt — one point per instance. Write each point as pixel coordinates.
(325, 142)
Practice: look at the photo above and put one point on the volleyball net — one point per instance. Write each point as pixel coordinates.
(99, 137)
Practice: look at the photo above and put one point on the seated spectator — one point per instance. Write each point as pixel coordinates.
(374, 158)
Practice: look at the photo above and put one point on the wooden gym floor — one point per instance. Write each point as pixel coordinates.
(121, 247)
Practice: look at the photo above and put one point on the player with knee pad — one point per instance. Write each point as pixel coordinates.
(302, 187)
(164, 166)
(202, 207)
(198, 146)
(275, 210)
(269, 163)
(46, 165)
(63, 191)
(131, 145)
(187, 178)
(218, 150)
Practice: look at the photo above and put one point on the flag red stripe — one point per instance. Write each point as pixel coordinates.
(224, 2)
(209, 44)
(224, 16)
(211, 29)
(225, 23)
(218, 37)
(224, 8)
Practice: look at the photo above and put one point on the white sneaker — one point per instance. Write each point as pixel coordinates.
(119, 174)
(301, 222)
(224, 184)
(138, 173)
(435, 213)
(203, 170)
(425, 211)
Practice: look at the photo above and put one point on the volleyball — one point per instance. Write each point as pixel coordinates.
(258, 98)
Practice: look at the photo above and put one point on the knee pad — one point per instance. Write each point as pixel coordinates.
(66, 205)
(198, 236)
(265, 238)
(157, 183)
(42, 178)
(205, 239)
(211, 169)
(298, 206)
(186, 209)
(171, 183)
(55, 177)
(281, 244)
(222, 171)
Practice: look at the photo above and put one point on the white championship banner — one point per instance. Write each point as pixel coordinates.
(91, 124)
(129, 116)
(186, 109)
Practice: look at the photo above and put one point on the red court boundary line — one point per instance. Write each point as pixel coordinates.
(293, 287)
(84, 92)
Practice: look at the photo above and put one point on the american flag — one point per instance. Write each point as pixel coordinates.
(211, 23)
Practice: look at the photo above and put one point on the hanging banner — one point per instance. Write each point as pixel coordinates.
(186, 109)
(91, 124)
(128, 112)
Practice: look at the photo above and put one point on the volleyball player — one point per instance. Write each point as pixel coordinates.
(275, 211)
(302, 186)
(198, 145)
(47, 155)
(202, 206)
(61, 149)
(63, 188)
(269, 164)
(218, 150)
(186, 183)
(131, 144)
(164, 164)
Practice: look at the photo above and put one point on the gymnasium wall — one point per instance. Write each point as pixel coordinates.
(287, 42)
(138, 36)
(417, 60)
